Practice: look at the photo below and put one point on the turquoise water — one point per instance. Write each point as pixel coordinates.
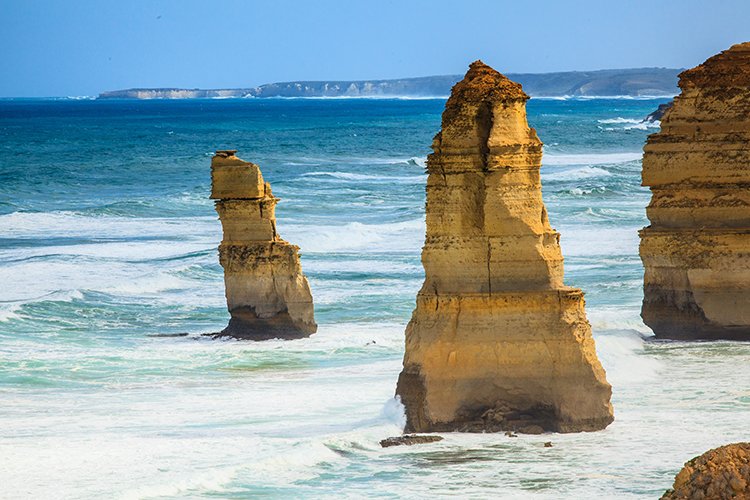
(108, 239)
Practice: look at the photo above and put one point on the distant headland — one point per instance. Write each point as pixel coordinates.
(601, 83)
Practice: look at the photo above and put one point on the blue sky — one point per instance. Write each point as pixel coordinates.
(82, 47)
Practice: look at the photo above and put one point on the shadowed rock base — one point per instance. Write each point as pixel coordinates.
(246, 325)
(677, 316)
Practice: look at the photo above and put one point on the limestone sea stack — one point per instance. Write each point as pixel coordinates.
(267, 294)
(496, 342)
(696, 252)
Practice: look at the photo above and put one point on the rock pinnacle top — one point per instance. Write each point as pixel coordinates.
(481, 84)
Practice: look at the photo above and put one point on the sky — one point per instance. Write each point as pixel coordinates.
(83, 47)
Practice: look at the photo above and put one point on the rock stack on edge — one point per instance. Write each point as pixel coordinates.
(696, 252)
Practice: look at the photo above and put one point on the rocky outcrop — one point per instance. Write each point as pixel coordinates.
(496, 342)
(721, 473)
(267, 294)
(696, 252)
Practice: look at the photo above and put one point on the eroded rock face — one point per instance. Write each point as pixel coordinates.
(496, 342)
(696, 252)
(267, 294)
(721, 473)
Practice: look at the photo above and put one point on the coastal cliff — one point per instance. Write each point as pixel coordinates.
(267, 294)
(606, 82)
(496, 342)
(696, 252)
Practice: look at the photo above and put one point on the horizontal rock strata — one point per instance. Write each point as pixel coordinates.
(696, 252)
(496, 342)
(267, 294)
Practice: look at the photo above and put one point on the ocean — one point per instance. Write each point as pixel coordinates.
(108, 245)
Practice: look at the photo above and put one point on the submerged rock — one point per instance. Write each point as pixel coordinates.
(696, 252)
(497, 342)
(721, 473)
(267, 294)
(409, 439)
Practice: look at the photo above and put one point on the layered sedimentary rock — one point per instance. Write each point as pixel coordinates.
(267, 294)
(496, 341)
(721, 473)
(696, 252)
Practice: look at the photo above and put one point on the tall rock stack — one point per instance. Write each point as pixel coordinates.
(267, 294)
(696, 252)
(496, 342)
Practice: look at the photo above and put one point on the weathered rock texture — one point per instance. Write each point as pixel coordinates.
(696, 252)
(496, 342)
(267, 294)
(718, 474)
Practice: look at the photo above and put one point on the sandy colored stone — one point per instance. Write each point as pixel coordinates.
(696, 252)
(497, 341)
(267, 294)
(718, 474)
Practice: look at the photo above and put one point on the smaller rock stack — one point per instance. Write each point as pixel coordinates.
(696, 252)
(267, 294)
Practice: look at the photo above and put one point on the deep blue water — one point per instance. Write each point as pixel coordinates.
(107, 237)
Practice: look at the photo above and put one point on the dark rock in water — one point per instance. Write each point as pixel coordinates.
(717, 474)
(548, 444)
(409, 439)
(656, 115)
(157, 335)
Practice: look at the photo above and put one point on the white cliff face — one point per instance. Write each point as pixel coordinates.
(696, 252)
(496, 342)
(267, 294)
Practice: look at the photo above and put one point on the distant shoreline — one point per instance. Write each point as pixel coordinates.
(332, 98)
(608, 83)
